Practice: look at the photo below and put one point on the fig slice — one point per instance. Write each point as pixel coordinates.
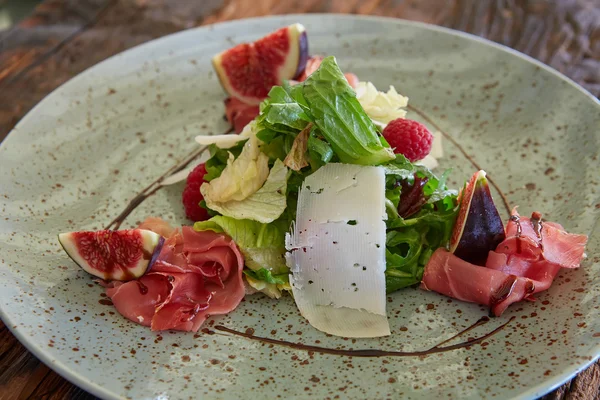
(113, 255)
(478, 228)
(248, 71)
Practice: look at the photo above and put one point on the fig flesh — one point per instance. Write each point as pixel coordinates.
(478, 228)
(113, 255)
(248, 71)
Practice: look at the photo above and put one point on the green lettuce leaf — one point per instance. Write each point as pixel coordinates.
(340, 117)
(280, 114)
(319, 151)
(265, 205)
(267, 276)
(277, 95)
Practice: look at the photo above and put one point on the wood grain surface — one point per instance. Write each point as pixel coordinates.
(61, 38)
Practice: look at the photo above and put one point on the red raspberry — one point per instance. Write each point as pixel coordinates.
(410, 138)
(192, 196)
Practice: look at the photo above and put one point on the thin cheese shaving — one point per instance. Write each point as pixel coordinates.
(336, 252)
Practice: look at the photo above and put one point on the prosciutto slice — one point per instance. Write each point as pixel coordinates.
(157, 225)
(239, 114)
(525, 263)
(447, 274)
(532, 238)
(197, 274)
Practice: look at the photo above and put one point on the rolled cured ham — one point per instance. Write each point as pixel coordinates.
(197, 274)
(525, 263)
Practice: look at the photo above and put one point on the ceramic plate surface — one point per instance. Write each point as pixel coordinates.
(76, 160)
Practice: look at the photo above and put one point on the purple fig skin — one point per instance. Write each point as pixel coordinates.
(302, 54)
(155, 254)
(483, 230)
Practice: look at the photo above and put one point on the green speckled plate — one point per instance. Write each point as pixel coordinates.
(75, 161)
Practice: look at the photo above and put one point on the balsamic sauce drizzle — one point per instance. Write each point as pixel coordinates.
(517, 220)
(505, 290)
(374, 352)
(464, 153)
(480, 321)
(156, 185)
(143, 288)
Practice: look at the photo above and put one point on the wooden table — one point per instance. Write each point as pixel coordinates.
(64, 37)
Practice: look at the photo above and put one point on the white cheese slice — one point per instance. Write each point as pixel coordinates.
(336, 252)
(228, 140)
(222, 141)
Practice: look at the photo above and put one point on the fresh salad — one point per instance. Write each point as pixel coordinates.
(325, 192)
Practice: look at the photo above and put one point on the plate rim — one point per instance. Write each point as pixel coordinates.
(73, 376)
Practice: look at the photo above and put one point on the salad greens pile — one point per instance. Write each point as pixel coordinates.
(299, 129)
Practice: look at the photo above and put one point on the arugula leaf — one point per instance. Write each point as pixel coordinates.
(411, 241)
(439, 194)
(399, 275)
(439, 225)
(340, 117)
(401, 168)
(397, 280)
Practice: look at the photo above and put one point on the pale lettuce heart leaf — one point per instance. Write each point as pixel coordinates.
(241, 178)
(265, 205)
(273, 290)
(381, 106)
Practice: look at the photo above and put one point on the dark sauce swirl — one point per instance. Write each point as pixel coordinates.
(516, 220)
(375, 352)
